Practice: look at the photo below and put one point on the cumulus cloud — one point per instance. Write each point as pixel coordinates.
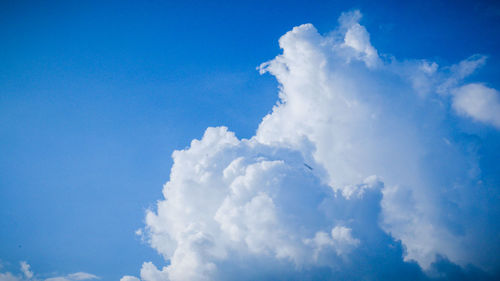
(340, 239)
(129, 278)
(357, 40)
(28, 275)
(355, 174)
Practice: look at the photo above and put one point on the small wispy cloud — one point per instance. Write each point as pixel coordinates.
(28, 275)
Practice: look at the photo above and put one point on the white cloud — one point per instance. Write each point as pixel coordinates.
(362, 122)
(28, 275)
(357, 39)
(25, 268)
(225, 196)
(149, 272)
(129, 278)
(74, 276)
(478, 102)
(340, 239)
(349, 170)
(9, 277)
(81, 276)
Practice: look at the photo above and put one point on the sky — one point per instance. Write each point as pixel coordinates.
(318, 140)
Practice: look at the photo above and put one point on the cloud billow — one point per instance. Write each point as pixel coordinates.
(355, 174)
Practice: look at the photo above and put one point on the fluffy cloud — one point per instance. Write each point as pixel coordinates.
(478, 102)
(355, 174)
(28, 275)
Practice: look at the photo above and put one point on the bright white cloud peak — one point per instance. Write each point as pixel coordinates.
(356, 174)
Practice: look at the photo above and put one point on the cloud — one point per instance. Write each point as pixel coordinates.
(82, 276)
(9, 277)
(357, 40)
(74, 276)
(28, 275)
(478, 102)
(460, 71)
(340, 239)
(129, 278)
(25, 268)
(357, 173)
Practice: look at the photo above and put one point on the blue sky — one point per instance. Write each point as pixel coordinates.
(96, 95)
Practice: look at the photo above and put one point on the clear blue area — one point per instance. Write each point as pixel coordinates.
(95, 96)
